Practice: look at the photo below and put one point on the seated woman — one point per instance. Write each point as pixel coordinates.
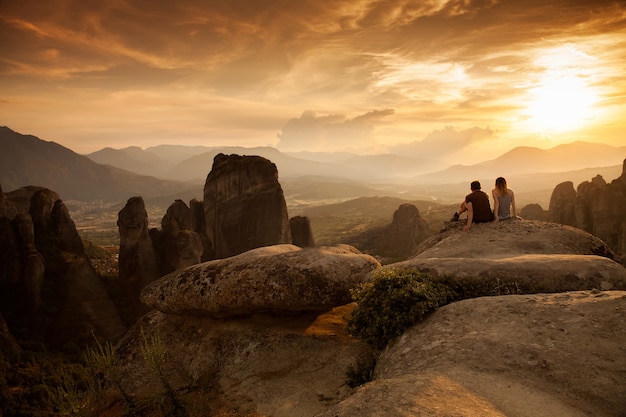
(503, 201)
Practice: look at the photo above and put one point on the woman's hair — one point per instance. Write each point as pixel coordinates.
(501, 184)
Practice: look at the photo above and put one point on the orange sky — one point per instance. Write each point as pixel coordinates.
(454, 80)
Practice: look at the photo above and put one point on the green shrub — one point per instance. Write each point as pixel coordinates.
(393, 301)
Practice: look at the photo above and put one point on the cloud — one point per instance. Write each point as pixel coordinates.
(331, 132)
(437, 63)
(440, 144)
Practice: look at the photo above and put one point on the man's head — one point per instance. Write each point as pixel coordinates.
(475, 185)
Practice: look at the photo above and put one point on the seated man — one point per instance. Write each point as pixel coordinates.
(477, 206)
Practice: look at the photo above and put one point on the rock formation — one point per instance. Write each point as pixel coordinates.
(407, 230)
(517, 355)
(596, 207)
(3, 204)
(138, 263)
(562, 204)
(49, 289)
(277, 306)
(526, 355)
(198, 225)
(534, 212)
(244, 206)
(521, 256)
(177, 245)
(301, 233)
(273, 279)
(399, 240)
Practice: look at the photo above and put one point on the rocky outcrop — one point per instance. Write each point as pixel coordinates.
(49, 289)
(406, 231)
(301, 232)
(198, 225)
(596, 207)
(262, 365)
(562, 204)
(265, 327)
(534, 212)
(521, 355)
(532, 347)
(177, 245)
(138, 263)
(521, 256)
(272, 279)
(244, 205)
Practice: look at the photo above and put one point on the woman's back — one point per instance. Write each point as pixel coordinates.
(504, 206)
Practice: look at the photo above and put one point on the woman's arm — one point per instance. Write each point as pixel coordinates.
(513, 210)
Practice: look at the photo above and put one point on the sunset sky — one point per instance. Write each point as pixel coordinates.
(454, 80)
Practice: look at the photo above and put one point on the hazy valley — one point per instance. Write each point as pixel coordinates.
(96, 186)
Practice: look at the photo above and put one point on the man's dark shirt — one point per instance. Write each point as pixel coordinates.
(480, 205)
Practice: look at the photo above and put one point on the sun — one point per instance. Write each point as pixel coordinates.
(560, 103)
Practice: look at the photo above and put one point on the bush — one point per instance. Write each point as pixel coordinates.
(393, 301)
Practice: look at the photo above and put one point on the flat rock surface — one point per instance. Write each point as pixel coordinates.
(552, 355)
(510, 238)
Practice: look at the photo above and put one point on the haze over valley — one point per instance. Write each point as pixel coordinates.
(97, 185)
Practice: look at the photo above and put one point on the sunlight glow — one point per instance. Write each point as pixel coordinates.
(561, 104)
(563, 99)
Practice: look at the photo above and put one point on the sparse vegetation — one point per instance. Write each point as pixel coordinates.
(155, 355)
(392, 302)
(397, 299)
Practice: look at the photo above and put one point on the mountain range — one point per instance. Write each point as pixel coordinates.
(166, 171)
(28, 160)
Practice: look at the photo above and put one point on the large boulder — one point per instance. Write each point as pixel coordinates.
(279, 278)
(244, 205)
(520, 256)
(280, 366)
(517, 355)
(510, 238)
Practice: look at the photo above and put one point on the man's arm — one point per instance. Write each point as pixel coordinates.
(496, 204)
(470, 216)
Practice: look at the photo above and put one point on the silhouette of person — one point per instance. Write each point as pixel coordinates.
(503, 201)
(477, 206)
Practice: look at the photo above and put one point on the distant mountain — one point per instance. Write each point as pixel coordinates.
(172, 155)
(199, 166)
(28, 160)
(528, 160)
(132, 159)
(177, 162)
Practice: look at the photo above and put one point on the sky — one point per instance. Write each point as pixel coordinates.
(459, 80)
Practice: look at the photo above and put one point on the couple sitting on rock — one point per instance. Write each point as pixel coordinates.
(478, 208)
